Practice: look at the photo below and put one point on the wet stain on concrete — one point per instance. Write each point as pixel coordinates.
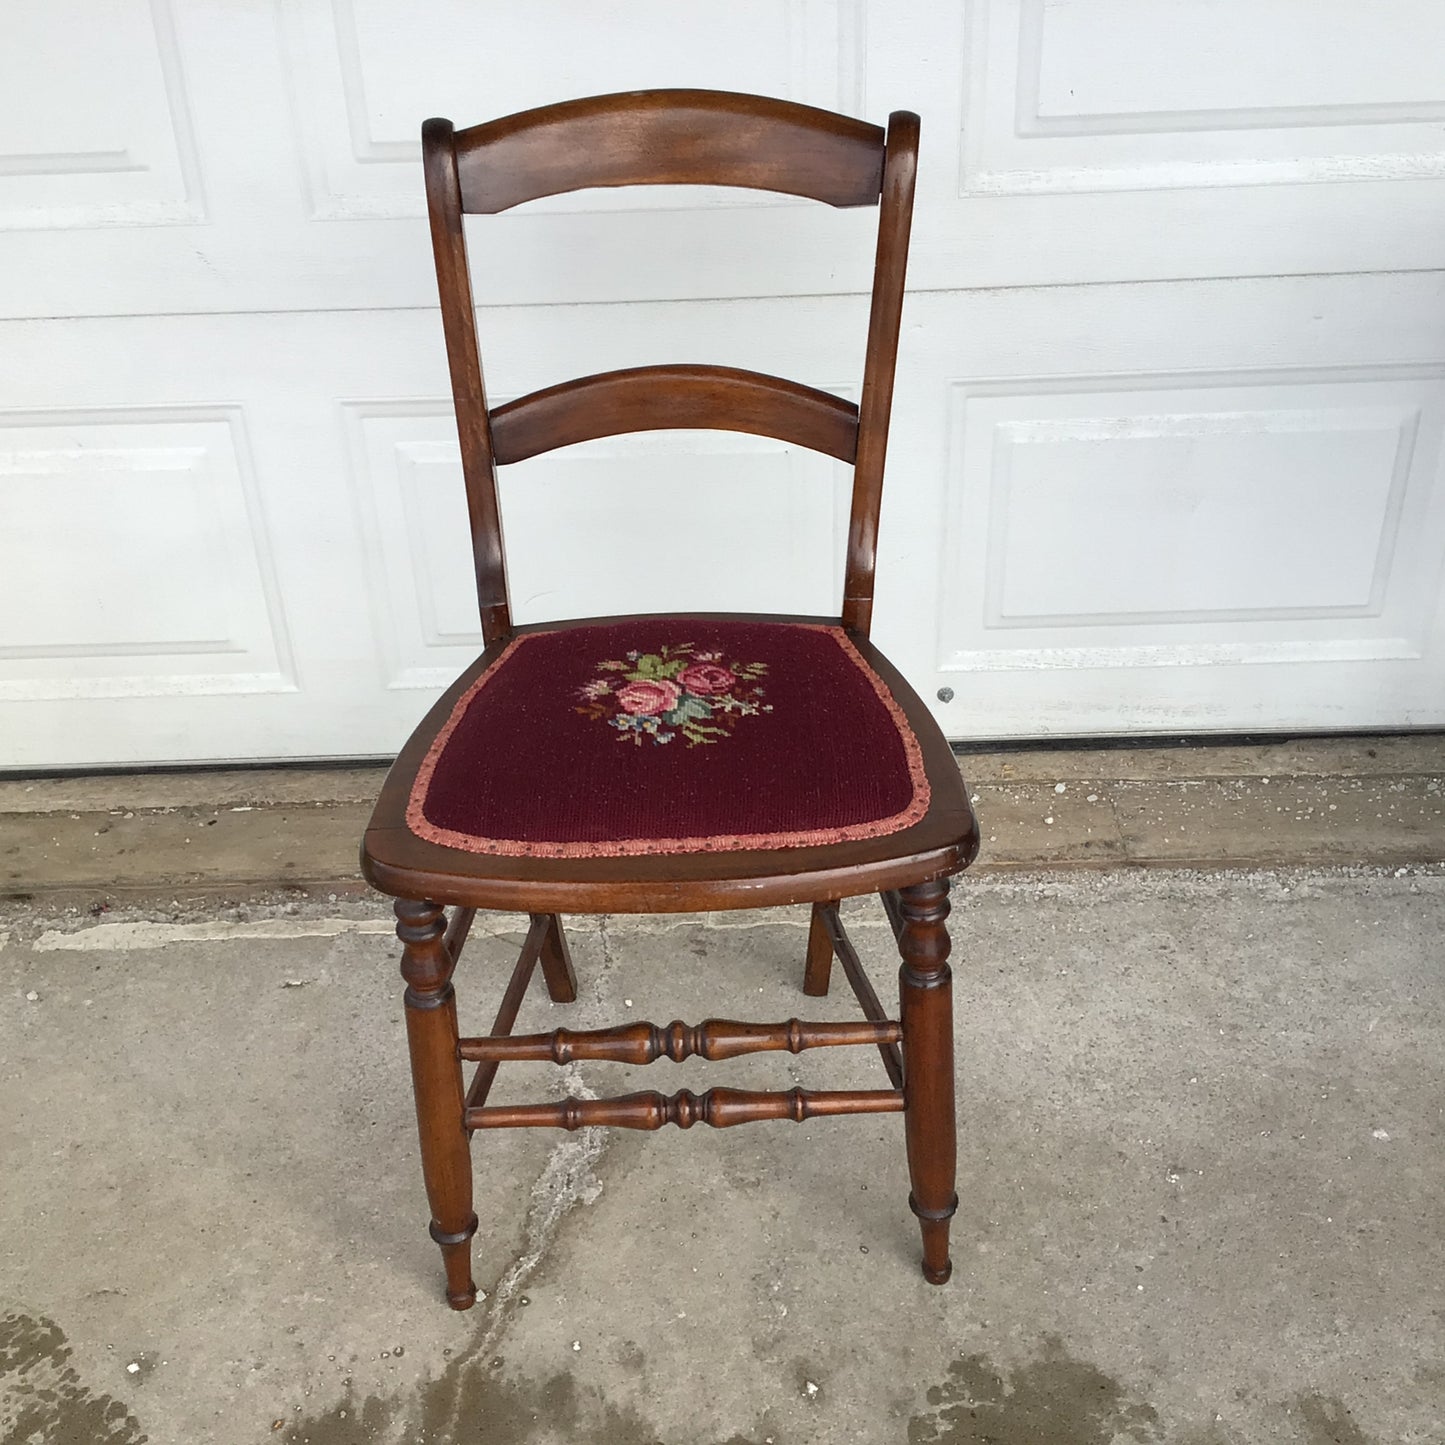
(43, 1400)
(469, 1403)
(1327, 1421)
(1054, 1398)
(631, 1357)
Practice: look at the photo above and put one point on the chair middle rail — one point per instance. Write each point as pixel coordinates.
(643, 1042)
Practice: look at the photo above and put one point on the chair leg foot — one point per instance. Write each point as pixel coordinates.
(926, 1003)
(819, 968)
(457, 1261)
(937, 1266)
(556, 962)
(436, 1073)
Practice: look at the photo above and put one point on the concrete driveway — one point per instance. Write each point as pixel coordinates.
(1201, 1171)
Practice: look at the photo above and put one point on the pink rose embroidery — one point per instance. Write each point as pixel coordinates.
(707, 678)
(675, 692)
(648, 696)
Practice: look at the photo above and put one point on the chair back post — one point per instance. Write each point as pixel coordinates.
(444, 210)
(895, 221)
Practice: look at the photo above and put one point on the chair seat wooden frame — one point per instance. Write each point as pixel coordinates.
(652, 138)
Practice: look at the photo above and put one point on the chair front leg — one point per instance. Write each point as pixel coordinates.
(436, 1071)
(926, 1003)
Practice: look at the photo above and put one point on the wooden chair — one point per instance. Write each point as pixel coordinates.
(672, 763)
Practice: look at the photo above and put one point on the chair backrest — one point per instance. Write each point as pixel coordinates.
(670, 137)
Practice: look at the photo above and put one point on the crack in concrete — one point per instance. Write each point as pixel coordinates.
(568, 1179)
(609, 959)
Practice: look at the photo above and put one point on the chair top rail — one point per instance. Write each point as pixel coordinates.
(670, 137)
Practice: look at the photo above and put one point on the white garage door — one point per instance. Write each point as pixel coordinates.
(1172, 391)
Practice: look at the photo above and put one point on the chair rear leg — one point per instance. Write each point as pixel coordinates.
(819, 968)
(926, 996)
(436, 1072)
(556, 961)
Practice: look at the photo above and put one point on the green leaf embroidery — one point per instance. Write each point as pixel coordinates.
(697, 732)
(688, 707)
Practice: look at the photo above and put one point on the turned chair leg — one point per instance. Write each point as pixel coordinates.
(819, 968)
(926, 999)
(436, 1071)
(556, 962)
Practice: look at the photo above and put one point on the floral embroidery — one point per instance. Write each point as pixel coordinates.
(674, 690)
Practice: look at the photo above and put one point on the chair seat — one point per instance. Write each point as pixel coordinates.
(712, 737)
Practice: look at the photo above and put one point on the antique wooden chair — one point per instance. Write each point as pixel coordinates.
(670, 763)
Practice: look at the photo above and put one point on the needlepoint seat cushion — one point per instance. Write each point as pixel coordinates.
(660, 735)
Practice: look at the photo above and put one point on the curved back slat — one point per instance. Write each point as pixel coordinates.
(670, 137)
(660, 398)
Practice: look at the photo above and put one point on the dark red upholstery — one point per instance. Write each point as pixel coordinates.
(670, 735)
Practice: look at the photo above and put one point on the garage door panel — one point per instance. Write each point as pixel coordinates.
(1204, 57)
(1102, 140)
(162, 581)
(1159, 499)
(1125, 94)
(1107, 524)
(1192, 515)
(77, 150)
